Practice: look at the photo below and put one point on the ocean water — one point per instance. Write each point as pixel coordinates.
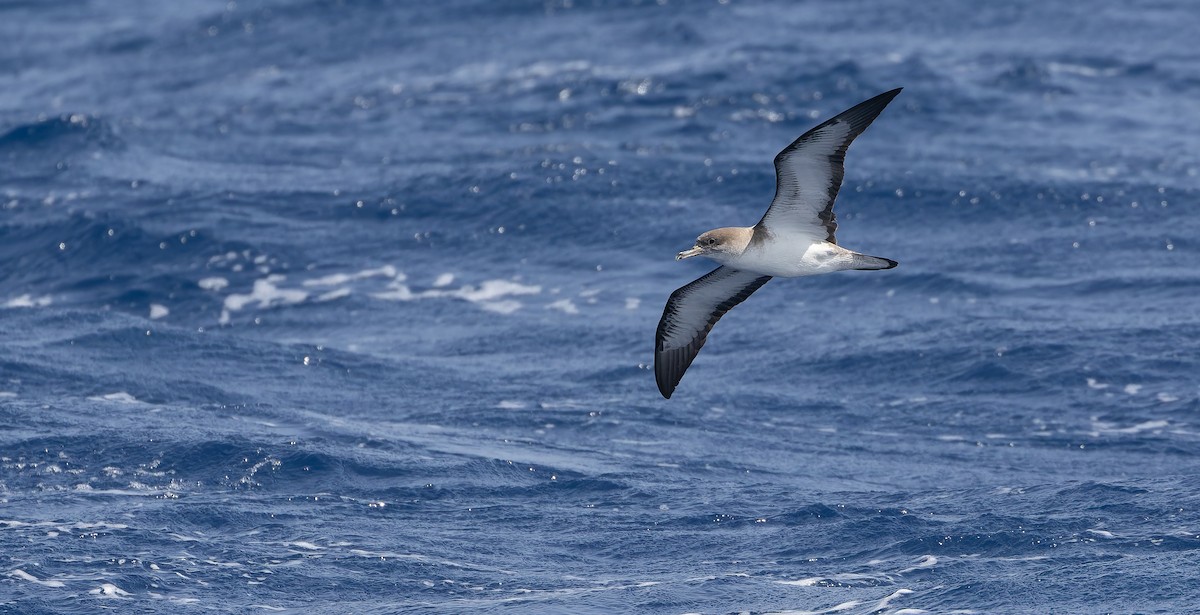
(315, 306)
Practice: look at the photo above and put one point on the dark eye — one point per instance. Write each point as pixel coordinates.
(711, 241)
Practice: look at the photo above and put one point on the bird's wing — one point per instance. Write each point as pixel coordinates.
(690, 314)
(808, 173)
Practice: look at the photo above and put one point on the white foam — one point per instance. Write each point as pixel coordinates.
(632, 303)
(1094, 384)
(1140, 427)
(443, 280)
(1133, 389)
(510, 405)
(1102, 533)
(81, 525)
(213, 562)
(213, 283)
(808, 582)
(267, 294)
(926, 561)
(508, 306)
(837, 608)
(7, 394)
(25, 576)
(1167, 398)
(398, 292)
(28, 301)
(336, 279)
(491, 295)
(109, 590)
(330, 280)
(566, 305)
(1081, 70)
(120, 397)
(845, 578)
(158, 311)
(845, 606)
(333, 294)
(491, 290)
(883, 604)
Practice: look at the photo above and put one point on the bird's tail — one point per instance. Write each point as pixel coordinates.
(863, 262)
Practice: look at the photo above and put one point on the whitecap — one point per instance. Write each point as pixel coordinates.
(120, 397)
(491, 295)
(1082, 70)
(926, 561)
(336, 279)
(109, 590)
(267, 294)
(25, 576)
(333, 294)
(1140, 427)
(495, 289)
(565, 305)
(883, 604)
(398, 292)
(507, 306)
(28, 301)
(214, 283)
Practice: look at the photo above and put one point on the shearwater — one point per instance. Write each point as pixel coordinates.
(794, 238)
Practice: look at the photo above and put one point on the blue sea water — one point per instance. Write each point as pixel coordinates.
(317, 306)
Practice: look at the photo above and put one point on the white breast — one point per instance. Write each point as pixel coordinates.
(790, 259)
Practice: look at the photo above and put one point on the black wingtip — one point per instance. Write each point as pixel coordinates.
(663, 377)
(861, 115)
(890, 94)
(874, 105)
(891, 263)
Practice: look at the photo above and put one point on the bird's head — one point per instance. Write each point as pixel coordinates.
(719, 244)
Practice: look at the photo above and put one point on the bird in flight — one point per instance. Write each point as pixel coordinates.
(794, 238)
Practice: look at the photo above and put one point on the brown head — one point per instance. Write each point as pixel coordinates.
(719, 244)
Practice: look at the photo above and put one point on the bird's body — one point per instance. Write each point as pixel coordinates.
(790, 257)
(794, 238)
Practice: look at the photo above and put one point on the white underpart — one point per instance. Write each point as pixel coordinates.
(789, 256)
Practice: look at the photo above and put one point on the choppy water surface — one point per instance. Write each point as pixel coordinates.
(328, 307)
